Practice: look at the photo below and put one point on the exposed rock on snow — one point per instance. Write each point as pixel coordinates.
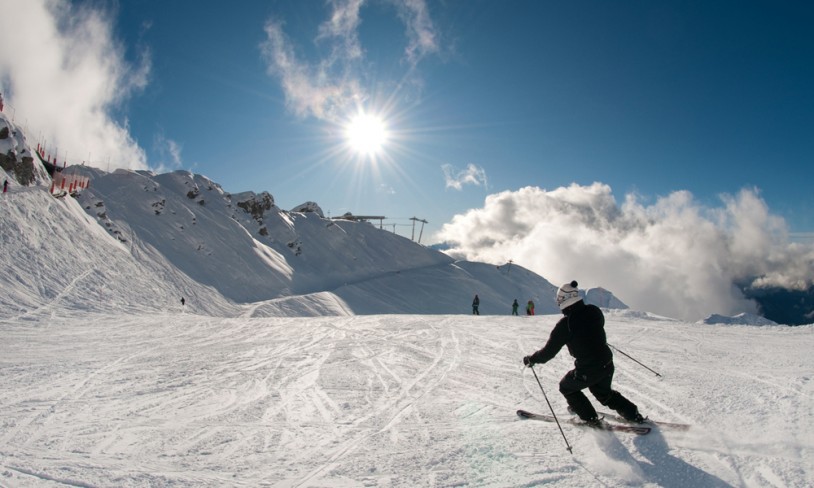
(16, 157)
(255, 205)
(308, 207)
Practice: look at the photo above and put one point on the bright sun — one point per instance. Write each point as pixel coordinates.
(366, 134)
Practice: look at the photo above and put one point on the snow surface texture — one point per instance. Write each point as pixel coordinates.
(183, 400)
(108, 380)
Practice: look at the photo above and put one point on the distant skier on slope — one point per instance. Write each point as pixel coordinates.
(530, 308)
(514, 307)
(475, 305)
(582, 329)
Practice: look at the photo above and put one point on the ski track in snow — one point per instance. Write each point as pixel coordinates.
(187, 400)
(47, 307)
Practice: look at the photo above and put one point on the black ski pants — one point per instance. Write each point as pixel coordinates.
(598, 381)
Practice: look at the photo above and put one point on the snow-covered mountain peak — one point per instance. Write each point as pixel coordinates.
(740, 319)
(177, 234)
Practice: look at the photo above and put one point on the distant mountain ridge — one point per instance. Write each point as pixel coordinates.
(792, 307)
(740, 319)
(250, 250)
(603, 298)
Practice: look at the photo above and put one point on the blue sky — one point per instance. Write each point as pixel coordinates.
(478, 98)
(648, 97)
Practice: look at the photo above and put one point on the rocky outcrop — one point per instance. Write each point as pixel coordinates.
(15, 157)
(22, 167)
(258, 205)
(309, 207)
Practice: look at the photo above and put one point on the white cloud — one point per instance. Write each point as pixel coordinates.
(64, 74)
(456, 179)
(342, 28)
(420, 30)
(169, 152)
(310, 90)
(328, 88)
(674, 257)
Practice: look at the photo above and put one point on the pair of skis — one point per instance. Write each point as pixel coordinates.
(623, 426)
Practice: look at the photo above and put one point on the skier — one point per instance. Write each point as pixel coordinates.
(475, 305)
(183, 302)
(514, 307)
(5, 185)
(582, 329)
(530, 308)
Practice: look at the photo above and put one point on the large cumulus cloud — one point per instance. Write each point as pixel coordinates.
(673, 256)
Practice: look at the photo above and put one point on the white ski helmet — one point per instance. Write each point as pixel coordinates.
(568, 295)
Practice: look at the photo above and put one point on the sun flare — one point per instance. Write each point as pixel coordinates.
(366, 134)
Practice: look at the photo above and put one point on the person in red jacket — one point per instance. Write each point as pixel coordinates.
(582, 330)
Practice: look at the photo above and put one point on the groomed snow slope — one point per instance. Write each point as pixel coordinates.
(183, 400)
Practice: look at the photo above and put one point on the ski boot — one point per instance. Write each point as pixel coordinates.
(637, 419)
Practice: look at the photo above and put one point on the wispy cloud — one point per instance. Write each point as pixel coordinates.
(68, 77)
(456, 179)
(341, 30)
(328, 87)
(310, 90)
(674, 256)
(169, 152)
(420, 30)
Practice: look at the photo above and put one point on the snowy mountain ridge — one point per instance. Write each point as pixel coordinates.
(251, 251)
(740, 319)
(180, 234)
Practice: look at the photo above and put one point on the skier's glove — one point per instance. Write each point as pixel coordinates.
(528, 362)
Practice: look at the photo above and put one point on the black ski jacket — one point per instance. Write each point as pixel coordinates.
(582, 329)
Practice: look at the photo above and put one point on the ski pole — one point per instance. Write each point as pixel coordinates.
(567, 445)
(634, 359)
